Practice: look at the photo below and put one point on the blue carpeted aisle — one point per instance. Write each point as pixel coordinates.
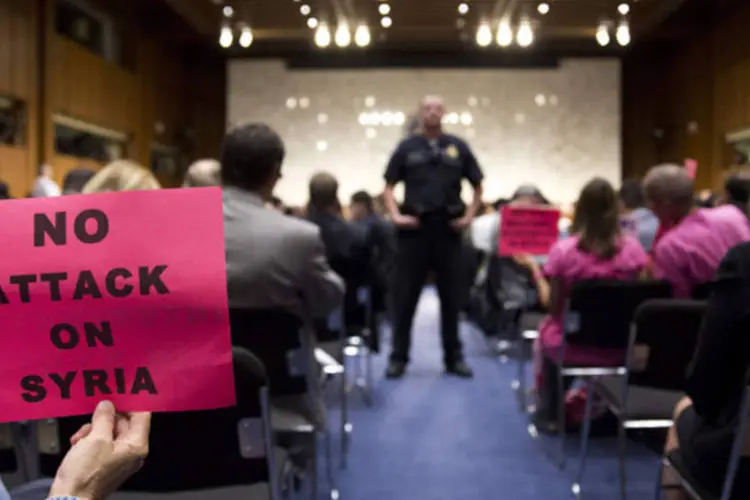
(435, 437)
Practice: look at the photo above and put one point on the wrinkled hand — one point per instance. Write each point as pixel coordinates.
(526, 261)
(104, 455)
(406, 222)
(461, 223)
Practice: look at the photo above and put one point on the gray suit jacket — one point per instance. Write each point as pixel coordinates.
(275, 261)
(278, 262)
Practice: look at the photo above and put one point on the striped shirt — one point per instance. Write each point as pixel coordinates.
(689, 253)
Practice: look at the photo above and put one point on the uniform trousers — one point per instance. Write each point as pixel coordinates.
(434, 246)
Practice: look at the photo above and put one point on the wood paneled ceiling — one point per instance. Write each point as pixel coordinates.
(280, 27)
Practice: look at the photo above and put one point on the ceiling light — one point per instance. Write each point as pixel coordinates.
(321, 145)
(362, 36)
(543, 8)
(246, 37)
(623, 34)
(322, 36)
(343, 36)
(228, 11)
(525, 35)
(463, 8)
(623, 9)
(484, 35)
(226, 37)
(602, 35)
(504, 34)
(369, 101)
(304, 9)
(386, 22)
(312, 22)
(384, 9)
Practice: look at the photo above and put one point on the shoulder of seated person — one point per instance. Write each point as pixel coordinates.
(737, 261)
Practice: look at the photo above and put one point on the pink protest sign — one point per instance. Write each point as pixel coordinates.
(527, 230)
(691, 166)
(119, 296)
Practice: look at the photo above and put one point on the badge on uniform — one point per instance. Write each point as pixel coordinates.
(452, 151)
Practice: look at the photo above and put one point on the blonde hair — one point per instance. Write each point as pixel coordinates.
(121, 175)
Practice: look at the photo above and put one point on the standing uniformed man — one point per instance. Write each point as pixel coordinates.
(431, 165)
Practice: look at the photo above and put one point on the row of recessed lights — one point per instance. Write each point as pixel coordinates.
(384, 9)
(622, 31)
(227, 33)
(504, 36)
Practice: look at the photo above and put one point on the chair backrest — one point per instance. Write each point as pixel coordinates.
(740, 439)
(206, 449)
(600, 312)
(276, 337)
(702, 291)
(663, 342)
(8, 461)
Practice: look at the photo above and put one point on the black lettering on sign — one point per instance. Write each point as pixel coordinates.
(95, 379)
(95, 382)
(34, 387)
(152, 279)
(23, 281)
(102, 226)
(57, 231)
(3, 297)
(54, 280)
(63, 383)
(65, 336)
(86, 285)
(110, 282)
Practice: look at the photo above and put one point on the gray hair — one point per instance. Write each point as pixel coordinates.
(670, 184)
(203, 173)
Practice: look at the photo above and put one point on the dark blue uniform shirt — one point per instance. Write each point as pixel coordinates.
(432, 171)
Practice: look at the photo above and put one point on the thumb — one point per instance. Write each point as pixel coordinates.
(103, 420)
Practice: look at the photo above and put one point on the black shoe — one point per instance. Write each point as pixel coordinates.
(396, 369)
(459, 369)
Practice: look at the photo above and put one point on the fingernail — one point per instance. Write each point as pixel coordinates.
(105, 406)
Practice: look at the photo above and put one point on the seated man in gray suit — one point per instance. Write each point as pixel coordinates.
(273, 261)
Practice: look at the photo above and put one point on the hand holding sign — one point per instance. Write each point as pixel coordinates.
(105, 453)
(114, 296)
(528, 230)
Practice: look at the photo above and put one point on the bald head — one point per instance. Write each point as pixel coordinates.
(669, 191)
(431, 109)
(203, 173)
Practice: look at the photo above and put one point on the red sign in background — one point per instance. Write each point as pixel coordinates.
(528, 230)
(118, 296)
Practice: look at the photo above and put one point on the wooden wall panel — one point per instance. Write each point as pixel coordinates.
(153, 102)
(19, 77)
(696, 94)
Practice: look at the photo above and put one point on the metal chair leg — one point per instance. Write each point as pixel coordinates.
(346, 426)
(561, 415)
(520, 383)
(659, 479)
(622, 457)
(585, 434)
(314, 486)
(330, 479)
